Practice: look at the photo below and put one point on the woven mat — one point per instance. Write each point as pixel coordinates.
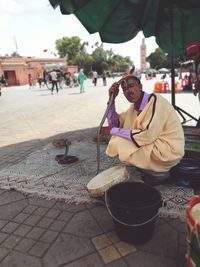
(175, 199)
(40, 174)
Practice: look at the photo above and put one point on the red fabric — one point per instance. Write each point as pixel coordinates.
(193, 48)
(193, 201)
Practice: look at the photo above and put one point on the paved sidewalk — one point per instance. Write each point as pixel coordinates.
(38, 232)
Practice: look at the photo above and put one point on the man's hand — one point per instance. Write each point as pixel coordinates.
(114, 90)
(121, 132)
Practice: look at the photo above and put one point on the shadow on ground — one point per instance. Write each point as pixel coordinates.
(17, 152)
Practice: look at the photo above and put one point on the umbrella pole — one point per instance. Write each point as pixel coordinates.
(110, 102)
(178, 109)
(172, 53)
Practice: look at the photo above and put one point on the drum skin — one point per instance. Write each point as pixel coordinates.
(105, 179)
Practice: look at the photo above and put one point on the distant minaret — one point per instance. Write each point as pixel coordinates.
(143, 51)
(16, 46)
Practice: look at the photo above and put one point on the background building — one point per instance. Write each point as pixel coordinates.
(16, 70)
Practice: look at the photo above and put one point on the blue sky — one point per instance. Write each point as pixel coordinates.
(34, 26)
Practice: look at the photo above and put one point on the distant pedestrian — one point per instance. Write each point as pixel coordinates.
(45, 77)
(81, 79)
(3, 80)
(30, 81)
(75, 79)
(104, 78)
(54, 80)
(40, 79)
(95, 76)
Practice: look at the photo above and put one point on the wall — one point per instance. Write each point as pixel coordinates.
(17, 69)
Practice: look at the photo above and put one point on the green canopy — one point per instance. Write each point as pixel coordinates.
(118, 21)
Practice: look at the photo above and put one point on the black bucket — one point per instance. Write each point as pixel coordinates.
(134, 208)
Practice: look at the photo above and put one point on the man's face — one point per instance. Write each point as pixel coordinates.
(132, 89)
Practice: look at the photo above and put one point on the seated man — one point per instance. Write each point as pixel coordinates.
(149, 134)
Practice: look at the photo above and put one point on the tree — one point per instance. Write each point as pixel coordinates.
(70, 47)
(122, 63)
(85, 62)
(100, 60)
(15, 54)
(157, 59)
(106, 59)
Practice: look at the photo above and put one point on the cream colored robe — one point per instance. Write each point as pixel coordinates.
(157, 134)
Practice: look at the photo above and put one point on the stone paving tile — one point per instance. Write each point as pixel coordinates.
(12, 209)
(2, 191)
(65, 216)
(164, 242)
(118, 263)
(101, 241)
(11, 242)
(41, 202)
(3, 252)
(10, 227)
(178, 225)
(30, 209)
(103, 218)
(2, 223)
(83, 225)
(182, 239)
(53, 213)
(22, 230)
(10, 196)
(20, 218)
(17, 259)
(25, 245)
(40, 211)
(109, 254)
(125, 248)
(57, 225)
(92, 260)
(108, 244)
(39, 249)
(160, 221)
(144, 259)
(89, 206)
(35, 233)
(32, 220)
(3, 236)
(62, 205)
(182, 251)
(113, 237)
(66, 249)
(49, 236)
(45, 222)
